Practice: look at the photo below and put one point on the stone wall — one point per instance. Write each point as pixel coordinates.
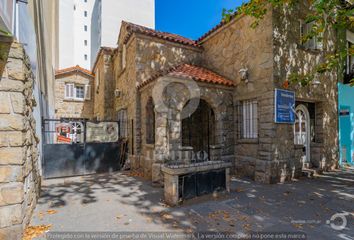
(230, 49)
(103, 91)
(271, 52)
(291, 57)
(70, 108)
(145, 56)
(168, 130)
(19, 158)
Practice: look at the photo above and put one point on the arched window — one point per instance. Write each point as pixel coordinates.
(198, 130)
(150, 122)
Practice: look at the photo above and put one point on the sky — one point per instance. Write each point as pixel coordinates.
(190, 18)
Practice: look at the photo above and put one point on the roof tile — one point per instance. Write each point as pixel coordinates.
(192, 72)
(163, 35)
(73, 69)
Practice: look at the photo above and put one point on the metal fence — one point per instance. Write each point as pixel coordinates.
(74, 147)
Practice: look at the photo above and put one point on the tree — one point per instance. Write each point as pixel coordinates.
(338, 14)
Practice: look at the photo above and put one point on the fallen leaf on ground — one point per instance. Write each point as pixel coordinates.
(239, 190)
(247, 227)
(51, 211)
(297, 225)
(35, 231)
(167, 216)
(120, 216)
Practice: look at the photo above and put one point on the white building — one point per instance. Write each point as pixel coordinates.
(75, 33)
(86, 25)
(107, 16)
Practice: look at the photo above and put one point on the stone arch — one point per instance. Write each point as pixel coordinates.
(199, 129)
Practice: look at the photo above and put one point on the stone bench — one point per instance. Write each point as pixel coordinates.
(172, 176)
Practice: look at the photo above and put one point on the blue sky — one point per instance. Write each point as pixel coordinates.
(190, 18)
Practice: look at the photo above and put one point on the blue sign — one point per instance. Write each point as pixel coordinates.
(284, 106)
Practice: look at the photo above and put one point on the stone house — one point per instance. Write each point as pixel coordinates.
(103, 92)
(73, 93)
(233, 71)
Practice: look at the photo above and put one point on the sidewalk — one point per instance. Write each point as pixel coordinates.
(119, 202)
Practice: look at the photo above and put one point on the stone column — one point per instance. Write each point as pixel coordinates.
(161, 148)
(171, 189)
(19, 176)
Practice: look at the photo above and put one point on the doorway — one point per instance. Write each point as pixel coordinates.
(302, 131)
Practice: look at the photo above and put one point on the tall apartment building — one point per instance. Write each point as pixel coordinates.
(107, 16)
(74, 46)
(86, 25)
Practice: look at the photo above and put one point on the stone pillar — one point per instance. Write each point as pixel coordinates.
(19, 175)
(161, 148)
(171, 189)
(215, 152)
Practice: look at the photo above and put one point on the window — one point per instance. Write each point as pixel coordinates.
(85, 42)
(77, 92)
(69, 90)
(150, 122)
(249, 119)
(85, 57)
(85, 13)
(85, 28)
(123, 124)
(305, 30)
(124, 56)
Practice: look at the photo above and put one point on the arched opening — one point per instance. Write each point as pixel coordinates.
(198, 130)
(150, 122)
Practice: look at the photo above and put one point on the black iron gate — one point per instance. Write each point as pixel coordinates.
(68, 149)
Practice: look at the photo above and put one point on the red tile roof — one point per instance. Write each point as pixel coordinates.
(134, 28)
(74, 69)
(192, 72)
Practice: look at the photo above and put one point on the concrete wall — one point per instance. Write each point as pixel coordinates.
(19, 156)
(73, 108)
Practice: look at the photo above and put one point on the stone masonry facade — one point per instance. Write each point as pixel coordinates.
(19, 156)
(270, 53)
(73, 108)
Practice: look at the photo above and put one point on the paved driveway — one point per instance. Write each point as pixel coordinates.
(119, 202)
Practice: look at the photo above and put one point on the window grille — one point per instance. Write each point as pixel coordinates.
(123, 124)
(248, 119)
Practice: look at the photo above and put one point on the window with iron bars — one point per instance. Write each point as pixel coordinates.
(123, 123)
(248, 119)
